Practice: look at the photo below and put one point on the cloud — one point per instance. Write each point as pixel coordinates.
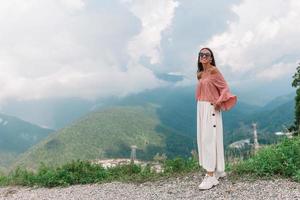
(155, 16)
(192, 25)
(263, 42)
(78, 48)
(276, 70)
(91, 49)
(73, 4)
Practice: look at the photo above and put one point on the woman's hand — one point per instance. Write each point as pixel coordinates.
(217, 106)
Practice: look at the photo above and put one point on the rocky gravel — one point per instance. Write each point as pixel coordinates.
(185, 187)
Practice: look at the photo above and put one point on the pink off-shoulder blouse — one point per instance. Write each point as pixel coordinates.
(214, 88)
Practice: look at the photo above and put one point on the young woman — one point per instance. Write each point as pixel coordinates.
(213, 96)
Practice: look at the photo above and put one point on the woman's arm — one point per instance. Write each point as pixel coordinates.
(199, 74)
(226, 100)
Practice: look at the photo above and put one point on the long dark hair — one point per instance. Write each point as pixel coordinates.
(200, 66)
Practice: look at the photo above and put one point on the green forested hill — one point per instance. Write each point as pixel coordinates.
(274, 119)
(109, 133)
(16, 136)
(178, 110)
(268, 122)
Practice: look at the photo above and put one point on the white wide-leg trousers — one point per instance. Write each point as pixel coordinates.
(210, 137)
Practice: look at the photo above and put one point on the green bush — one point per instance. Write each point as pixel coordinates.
(180, 164)
(83, 172)
(76, 172)
(279, 159)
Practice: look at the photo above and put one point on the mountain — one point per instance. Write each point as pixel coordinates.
(178, 108)
(175, 109)
(108, 133)
(269, 119)
(16, 136)
(274, 118)
(279, 101)
(60, 112)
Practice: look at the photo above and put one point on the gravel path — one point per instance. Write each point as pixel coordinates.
(174, 188)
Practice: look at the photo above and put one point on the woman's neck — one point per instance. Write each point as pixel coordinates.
(206, 66)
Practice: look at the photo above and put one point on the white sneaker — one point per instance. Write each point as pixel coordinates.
(220, 174)
(208, 182)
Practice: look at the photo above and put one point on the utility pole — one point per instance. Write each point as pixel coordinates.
(256, 144)
(133, 153)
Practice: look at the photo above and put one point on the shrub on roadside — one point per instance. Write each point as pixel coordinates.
(279, 159)
(180, 164)
(83, 172)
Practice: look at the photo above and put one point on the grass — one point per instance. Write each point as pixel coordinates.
(84, 172)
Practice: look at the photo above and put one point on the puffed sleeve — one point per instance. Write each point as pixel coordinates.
(226, 99)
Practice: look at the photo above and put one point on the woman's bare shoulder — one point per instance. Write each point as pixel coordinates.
(214, 70)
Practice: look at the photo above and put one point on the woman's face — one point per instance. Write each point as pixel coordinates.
(205, 56)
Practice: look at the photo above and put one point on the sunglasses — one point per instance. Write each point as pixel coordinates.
(204, 54)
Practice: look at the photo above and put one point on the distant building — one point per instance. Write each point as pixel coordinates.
(288, 134)
(107, 163)
(279, 133)
(240, 144)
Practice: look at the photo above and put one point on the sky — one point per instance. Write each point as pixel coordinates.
(101, 48)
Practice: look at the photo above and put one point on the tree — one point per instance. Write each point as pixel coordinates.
(296, 84)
